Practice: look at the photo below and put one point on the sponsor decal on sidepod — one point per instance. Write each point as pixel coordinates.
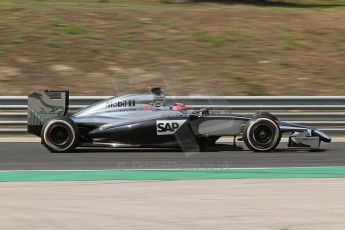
(168, 127)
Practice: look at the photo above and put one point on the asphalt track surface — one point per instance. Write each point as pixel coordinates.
(33, 156)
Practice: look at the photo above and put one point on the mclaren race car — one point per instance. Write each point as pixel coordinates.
(145, 120)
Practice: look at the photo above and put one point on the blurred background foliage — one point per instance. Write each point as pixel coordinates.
(196, 47)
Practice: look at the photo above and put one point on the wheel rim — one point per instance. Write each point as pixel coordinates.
(59, 135)
(263, 134)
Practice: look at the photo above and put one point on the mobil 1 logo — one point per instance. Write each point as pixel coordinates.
(168, 127)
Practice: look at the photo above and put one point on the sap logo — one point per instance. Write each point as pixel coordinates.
(168, 127)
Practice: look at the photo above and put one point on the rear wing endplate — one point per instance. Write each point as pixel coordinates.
(44, 106)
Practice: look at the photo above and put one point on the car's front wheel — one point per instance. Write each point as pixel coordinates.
(60, 134)
(262, 134)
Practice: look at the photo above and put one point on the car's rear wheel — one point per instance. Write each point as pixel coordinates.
(262, 134)
(60, 134)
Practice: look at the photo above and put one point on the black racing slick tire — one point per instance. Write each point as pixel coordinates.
(262, 134)
(60, 134)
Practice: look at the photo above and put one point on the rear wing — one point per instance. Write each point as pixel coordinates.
(44, 106)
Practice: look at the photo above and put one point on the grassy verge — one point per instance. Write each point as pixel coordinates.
(104, 47)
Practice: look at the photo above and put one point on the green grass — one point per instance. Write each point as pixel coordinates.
(127, 40)
(17, 39)
(290, 42)
(214, 40)
(156, 37)
(69, 28)
(56, 43)
(2, 50)
(251, 89)
(220, 39)
(318, 31)
(75, 30)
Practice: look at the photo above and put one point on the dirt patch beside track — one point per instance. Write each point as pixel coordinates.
(109, 47)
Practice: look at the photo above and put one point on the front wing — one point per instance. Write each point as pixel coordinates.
(302, 136)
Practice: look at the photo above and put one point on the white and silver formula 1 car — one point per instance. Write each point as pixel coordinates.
(144, 120)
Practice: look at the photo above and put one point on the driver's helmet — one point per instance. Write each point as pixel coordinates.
(178, 107)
